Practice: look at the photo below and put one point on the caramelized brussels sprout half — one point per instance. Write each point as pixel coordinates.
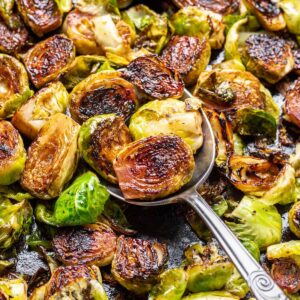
(101, 138)
(14, 86)
(137, 263)
(189, 56)
(81, 203)
(291, 13)
(170, 116)
(98, 248)
(48, 59)
(153, 78)
(294, 219)
(13, 289)
(15, 219)
(207, 270)
(216, 295)
(12, 154)
(33, 115)
(194, 21)
(267, 56)
(102, 93)
(154, 167)
(52, 158)
(291, 104)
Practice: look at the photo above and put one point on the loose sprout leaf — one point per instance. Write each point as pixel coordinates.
(15, 289)
(236, 284)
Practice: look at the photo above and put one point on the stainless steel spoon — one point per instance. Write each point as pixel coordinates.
(260, 283)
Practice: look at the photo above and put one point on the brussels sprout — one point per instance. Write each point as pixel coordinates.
(102, 93)
(291, 9)
(171, 287)
(153, 78)
(294, 219)
(52, 158)
(137, 263)
(256, 221)
(189, 56)
(6, 10)
(48, 59)
(33, 115)
(236, 285)
(217, 295)
(207, 270)
(41, 17)
(154, 167)
(15, 219)
(291, 104)
(14, 86)
(101, 138)
(13, 289)
(98, 248)
(194, 21)
(12, 154)
(169, 116)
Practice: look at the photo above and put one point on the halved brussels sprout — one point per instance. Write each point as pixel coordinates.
(267, 56)
(52, 158)
(207, 270)
(256, 221)
(268, 13)
(97, 249)
(137, 263)
(154, 167)
(14, 86)
(13, 289)
(294, 219)
(102, 93)
(291, 13)
(171, 287)
(170, 116)
(33, 115)
(81, 203)
(292, 103)
(194, 21)
(216, 295)
(101, 138)
(41, 17)
(153, 78)
(15, 219)
(48, 59)
(189, 56)
(12, 154)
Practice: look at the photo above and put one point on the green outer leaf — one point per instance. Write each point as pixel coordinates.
(64, 5)
(291, 13)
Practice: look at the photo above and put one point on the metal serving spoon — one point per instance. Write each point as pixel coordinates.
(260, 283)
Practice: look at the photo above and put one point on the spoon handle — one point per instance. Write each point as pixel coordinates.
(261, 284)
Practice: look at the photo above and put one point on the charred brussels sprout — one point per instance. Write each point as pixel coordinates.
(81, 203)
(294, 219)
(102, 93)
(291, 104)
(101, 138)
(52, 158)
(153, 78)
(291, 13)
(207, 270)
(170, 116)
(48, 59)
(41, 16)
(216, 295)
(33, 115)
(194, 21)
(154, 167)
(98, 248)
(12, 154)
(13, 289)
(137, 264)
(14, 86)
(15, 219)
(189, 56)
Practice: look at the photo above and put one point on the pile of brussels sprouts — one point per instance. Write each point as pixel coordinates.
(93, 91)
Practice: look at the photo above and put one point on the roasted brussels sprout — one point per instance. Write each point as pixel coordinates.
(15, 219)
(12, 154)
(216, 295)
(207, 270)
(13, 289)
(236, 285)
(267, 56)
(102, 93)
(33, 115)
(291, 9)
(171, 287)
(294, 219)
(52, 158)
(101, 138)
(194, 21)
(291, 104)
(48, 59)
(14, 85)
(98, 248)
(154, 167)
(137, 264)
(6, 11)
(189, 56)
(256, 221)
(170, 116)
